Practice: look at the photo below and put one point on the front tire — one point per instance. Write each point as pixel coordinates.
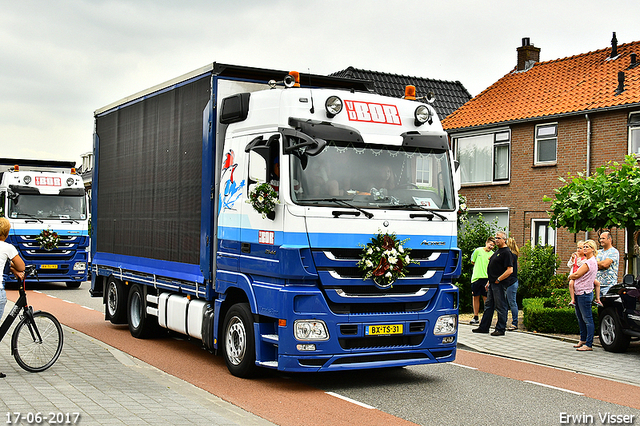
(611, 336)
(116, 301)
(33, 354)
(73, 284)
(238, 341)
(141, 326)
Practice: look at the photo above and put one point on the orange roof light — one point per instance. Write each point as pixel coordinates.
(410, 93)
(296, 77)
(73, 170)
(16, 168)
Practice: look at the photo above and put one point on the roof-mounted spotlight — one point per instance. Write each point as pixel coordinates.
(70, 181)
(27, 180)
(333, 105)
(423, 114)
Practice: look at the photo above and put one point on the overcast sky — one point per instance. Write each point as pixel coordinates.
(62, 60)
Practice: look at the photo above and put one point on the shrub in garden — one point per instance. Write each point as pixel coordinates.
(537, 271)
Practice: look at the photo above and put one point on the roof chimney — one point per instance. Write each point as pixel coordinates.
(634, 61)
(614, 46)
(620, 87)
(528, 55)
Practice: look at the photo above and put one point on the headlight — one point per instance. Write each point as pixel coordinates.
(79, 266)
(310, 330)
(446, 324)
(422, 114)
(333, 106)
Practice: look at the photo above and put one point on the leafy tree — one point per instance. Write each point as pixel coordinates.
(536, 271)
(472, 234)
(610, 198)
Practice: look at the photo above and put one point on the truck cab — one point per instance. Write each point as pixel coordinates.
(45, 202)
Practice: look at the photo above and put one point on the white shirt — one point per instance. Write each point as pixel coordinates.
(7, 252)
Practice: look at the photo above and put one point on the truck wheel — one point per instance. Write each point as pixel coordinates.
(611, 336)
(141, 326)
(116, 303)
(238, 341)
(73, 284)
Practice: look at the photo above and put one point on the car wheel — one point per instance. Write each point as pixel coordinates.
(611, 336)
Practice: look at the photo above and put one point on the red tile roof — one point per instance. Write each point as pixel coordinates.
(576, 84)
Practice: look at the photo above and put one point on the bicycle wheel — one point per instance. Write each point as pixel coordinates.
(37, 354)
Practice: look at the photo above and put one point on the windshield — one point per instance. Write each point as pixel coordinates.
(48, 207)
(374, 176)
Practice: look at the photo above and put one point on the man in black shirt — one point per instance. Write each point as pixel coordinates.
(499, 273)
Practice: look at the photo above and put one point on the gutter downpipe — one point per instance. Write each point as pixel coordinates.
(586, 234)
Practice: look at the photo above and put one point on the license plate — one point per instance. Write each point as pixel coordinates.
(48, 266)
(375, 330)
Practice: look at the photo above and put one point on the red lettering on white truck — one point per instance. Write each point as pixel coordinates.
(266, 237)
(48, 181)
(370, 112)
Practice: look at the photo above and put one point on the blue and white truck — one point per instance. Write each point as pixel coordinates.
(46, 203)
(188, 237)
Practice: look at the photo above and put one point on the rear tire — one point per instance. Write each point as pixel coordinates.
(32, 354)
(612, 338)
(141, 326)
(116, 301)
(239, 342)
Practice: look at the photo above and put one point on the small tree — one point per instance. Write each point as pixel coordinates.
(610, 198)
(471, 235)
(536, 271)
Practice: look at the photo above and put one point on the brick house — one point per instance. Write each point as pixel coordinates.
(539, 122)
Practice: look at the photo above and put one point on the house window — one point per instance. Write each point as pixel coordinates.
(634, 134)
(542, 234)
(484, 158)
(423, 171)
(546, 143)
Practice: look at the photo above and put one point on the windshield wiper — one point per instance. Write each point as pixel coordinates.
(30, 216)
(429, 215)
(367, 214)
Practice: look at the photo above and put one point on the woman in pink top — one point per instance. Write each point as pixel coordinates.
(583, 287)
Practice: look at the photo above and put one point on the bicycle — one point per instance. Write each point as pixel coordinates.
(36, 342)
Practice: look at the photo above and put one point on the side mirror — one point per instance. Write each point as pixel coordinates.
(627, 279)
(257, 167)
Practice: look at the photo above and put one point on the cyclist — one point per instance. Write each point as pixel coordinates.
(8, 252)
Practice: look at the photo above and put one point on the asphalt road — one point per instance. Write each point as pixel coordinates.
(476, 389)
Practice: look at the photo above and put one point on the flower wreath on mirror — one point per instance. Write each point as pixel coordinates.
(263, 198)
(385, 259)
(48, 239)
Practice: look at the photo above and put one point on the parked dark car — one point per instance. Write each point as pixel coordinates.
(620, 315)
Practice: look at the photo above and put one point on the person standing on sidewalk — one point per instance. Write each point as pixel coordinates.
(608, 259)
(8, 254)
(499, 272)
(480, 261)
(583, 287)
(512, 290)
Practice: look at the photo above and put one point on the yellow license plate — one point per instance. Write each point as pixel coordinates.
(48, 266)
(376, 330)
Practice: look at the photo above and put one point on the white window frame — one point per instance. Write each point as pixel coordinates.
(542, 138)
(550, 233)
(634, 131)
(421, 173)
(501, 139)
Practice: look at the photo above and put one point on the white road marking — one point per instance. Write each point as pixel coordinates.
(350, 400)
(553, 387)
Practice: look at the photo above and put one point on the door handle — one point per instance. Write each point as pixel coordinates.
(246, 247)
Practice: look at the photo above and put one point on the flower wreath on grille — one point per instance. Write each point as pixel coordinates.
(385, 259)
(48, 239)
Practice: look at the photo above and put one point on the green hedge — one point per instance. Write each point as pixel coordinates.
(543, 315)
